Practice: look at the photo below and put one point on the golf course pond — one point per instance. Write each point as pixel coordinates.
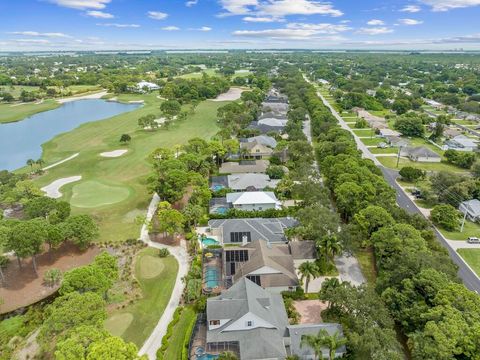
(22, 140)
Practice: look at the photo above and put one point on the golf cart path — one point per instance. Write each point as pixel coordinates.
(154, 341)
(61, 161)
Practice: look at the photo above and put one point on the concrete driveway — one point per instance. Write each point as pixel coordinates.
(349, 269)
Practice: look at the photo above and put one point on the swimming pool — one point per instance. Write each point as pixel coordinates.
(207, 357)
(217, 187)
(209, 241)
(211, 277)
(222, 210)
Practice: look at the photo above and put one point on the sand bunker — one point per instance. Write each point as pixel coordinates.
(114, 153)
(230, 95)
(53, 189)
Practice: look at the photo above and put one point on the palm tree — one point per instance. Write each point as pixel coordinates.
(329, 246)
(308, 271)
(314, 342)
(31, 162)
(227, 355)
(332, 342)
(40, 162)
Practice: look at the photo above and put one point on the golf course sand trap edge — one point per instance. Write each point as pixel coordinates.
(52, 190)
(231, 95)
(114, 153)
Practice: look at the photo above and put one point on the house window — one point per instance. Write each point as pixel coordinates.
(255, 279)
(249, 323)
(214, 322)
(237, 237)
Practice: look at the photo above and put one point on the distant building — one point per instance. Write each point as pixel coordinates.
(253, 200)
(244, 166)
(462, 143)
(420, 154)
(471, 208)
(255, 150)
(250, 182)
(148, 86)
(262, 139)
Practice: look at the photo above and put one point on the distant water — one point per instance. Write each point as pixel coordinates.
(22, 140)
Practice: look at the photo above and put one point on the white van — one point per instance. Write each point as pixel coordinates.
(473, 240)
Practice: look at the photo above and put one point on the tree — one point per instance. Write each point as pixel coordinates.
(315, 342)
(329, 247)
(170, 221)
(445, 216)
(275, 171)
(170, 108)
(125, 138)
(70, 311)
(401, 106)
(108, 264)
(409, 126)
(39, 207)
(31, 162)
(227, 355)
(52, 277)
(81, 230)
(371, 219)
(476, 169)
(26, 239)
(39, 162)
(84, 279)
(113, 348)
(411, 174)
(462, 159)
(308, 271)
(193, 214)
(148, 122)
(75, 343)
(332, 342)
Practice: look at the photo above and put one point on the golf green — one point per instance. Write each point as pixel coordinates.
(91, 194)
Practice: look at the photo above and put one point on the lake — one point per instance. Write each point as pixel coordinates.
(22, 140)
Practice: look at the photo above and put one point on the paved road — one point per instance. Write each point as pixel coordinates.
(153, 343)
(465, 272)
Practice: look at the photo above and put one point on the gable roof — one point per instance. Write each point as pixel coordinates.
(250, 180)
(255, 166)
(471, 206)
(252, 197)
(304, 249)
(265, 140)
(274, 122)
(272, 230)
(419, 151)
(305, 352)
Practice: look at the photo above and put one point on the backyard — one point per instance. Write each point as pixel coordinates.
(156, 277)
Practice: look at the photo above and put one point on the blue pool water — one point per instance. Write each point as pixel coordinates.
(22, 140)
(222, 210)
(211, 276)
(209, 241)
(207, 357)
(217, 187)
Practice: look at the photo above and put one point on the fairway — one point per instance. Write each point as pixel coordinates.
(109, 179)
(90, 194)
(150, 267)
(136, 321)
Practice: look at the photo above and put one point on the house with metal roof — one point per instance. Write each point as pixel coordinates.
(253, 323)
(262, 139)
(471, 208)
(462, 143)
(420, 154)
(244, 166)
(250, 182)
(253, 200)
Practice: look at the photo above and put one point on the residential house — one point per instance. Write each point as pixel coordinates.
(252, 322)
(420, 154)
(396, 141)
(147, 86)
(273, 122)
(255, 150)
(302, 251)
(450, 132)
(462, 143)
(471, 208)
(244, 166)
(389, 132)
(250, 182)
(253, 200)
(243, 231)
(262, 139)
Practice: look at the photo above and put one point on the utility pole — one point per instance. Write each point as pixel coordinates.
(398, 157)
(464, 217)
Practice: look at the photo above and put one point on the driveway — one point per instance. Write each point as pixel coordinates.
(349, 269)
(153, 343)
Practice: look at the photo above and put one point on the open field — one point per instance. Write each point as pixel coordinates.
(470, 229)
(16, 90)
(179, 333)
(472, 257)
(198, 75)
(17, 112)
(126, 175)
(391, 162)
(157, 278)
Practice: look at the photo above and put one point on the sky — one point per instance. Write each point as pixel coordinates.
(35, 25)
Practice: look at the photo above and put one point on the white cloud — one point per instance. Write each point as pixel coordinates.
(410, 22)
(32, 41)
(82, 4)
(157, 15)
(99, 14)
(411, 9)
(119, 25)
(260, 19)
(376, 22)
(445, 5)
(298, 31)
(39, 34)
(203, 28)
(191, 3)
(375, 31)
(278, 8)
(170, 28)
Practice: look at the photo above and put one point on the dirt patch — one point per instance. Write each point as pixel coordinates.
(23, 287)
(150, 267)
(231, 95)
(310, 310)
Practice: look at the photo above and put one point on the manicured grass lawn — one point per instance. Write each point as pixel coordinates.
(391, 162)
(470, 229)
(380, 113)
(367, 264)
(372, 141)
(348, 114)
(16, 112)
(389, 150)
(365, 132)
(128, 172)
(179, 333)
(424, 143)
(135, 322)
(464, 122)
(91, 194)
(472, 257)
(350, 125)
(198, 75)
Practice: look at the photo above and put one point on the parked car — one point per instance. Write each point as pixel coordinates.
(473, 240)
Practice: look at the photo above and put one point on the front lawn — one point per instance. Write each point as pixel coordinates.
(365, 132)
(156, 277)
(373, 141)
(391, 162)
(389, 150)
(470, 229)
(472, 258)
